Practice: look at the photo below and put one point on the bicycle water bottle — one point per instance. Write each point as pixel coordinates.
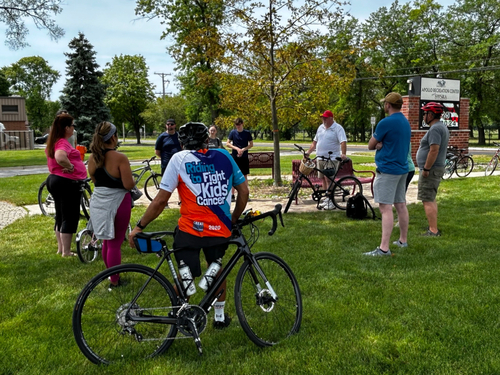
(209, 276)
(187, 278)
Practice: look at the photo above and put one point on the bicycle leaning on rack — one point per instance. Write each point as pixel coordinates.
(458, 162)
(141, 318)
(492, 165)
(152, 184)
(47, 204)
(339, 191)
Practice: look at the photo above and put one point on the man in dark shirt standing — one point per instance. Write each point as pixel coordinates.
(240, 141)
(167, 144)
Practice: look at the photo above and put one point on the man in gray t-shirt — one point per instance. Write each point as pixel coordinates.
(431, 157)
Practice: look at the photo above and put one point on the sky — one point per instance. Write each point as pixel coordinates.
(113, 29)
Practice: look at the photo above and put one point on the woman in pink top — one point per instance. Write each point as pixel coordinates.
(66, 170)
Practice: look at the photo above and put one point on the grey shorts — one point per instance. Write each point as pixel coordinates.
(428, 186)
(327, 164)
(389, 188)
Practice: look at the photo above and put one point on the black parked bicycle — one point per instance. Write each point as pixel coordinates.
(47, 204)
(152, 184)
(339, 191)
(141, 318)
(457, 162)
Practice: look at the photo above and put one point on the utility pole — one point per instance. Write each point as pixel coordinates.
(162, 75)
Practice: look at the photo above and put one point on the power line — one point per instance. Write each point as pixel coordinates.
(162, 75)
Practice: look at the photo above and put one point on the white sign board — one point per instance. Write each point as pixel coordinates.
(373, 119)
(440, 89)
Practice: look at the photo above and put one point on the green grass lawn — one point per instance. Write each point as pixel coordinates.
(430, 309)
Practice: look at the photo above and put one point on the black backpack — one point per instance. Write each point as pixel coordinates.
(357, 207)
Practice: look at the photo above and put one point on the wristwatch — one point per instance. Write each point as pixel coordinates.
(426, 170)
(140, 226)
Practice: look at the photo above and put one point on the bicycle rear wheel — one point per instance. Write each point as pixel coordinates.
(45, 201)
(492, 165)
(102, 328)
(465, 166)
(87, 246)
(267, 320)
(293, 194)
(152, 186)
(345, 188)
(449, 168)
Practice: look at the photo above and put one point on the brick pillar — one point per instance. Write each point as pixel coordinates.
(458, 137)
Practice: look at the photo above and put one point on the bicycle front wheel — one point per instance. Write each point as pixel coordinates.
(152, 186)
(102, 326)
(449, 168)
(492, 165)
(345, 188)
(293, 194)
(46, 201)
(265, 319)
(85, 201)
(465, 166)
(87, 246)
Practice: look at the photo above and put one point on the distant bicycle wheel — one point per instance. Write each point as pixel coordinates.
(492, 165)
(292, 195)
(87, 246)
(465, 166)
(449, 168)
(45, 201)
(345, 188)
(85, 201)
(152, 186)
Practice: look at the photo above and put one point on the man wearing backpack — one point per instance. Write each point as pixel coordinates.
(391, 139)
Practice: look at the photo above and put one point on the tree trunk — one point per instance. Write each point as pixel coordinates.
(276, 142)
(137, 129)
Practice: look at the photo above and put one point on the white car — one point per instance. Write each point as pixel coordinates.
(7, 141)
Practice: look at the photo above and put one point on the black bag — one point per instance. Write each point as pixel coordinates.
(357, 207)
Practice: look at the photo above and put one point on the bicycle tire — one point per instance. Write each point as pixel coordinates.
(344, 189)
(293, 194)
(46, 201)
(152, 187)
(464, 166)
(87, 246)
(100, 327)
(85, 201)
(265, 321)
(492, 165)
(449, 168)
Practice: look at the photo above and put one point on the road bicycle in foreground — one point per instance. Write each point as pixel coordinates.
(47, 204)
(141, 318)
(339, 191)
(152, 184)
(492, 165)
(457, 162)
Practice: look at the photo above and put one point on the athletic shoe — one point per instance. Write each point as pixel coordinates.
(400, 244)
(224, 324)
(432, 234)
(327, 206)
(378, 253)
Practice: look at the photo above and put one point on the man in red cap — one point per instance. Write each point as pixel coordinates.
(330, 136)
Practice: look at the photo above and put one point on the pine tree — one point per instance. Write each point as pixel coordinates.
(83, 93)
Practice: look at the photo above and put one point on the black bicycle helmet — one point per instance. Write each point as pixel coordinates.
(433, 107)
(193, 136)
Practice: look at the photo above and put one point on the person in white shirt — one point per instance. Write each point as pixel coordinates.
(330, 136)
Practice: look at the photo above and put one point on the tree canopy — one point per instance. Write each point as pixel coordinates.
(14, 12)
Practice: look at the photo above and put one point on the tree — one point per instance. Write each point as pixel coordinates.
(13, 13)
(4, 85)
(197, 48)
(33, 78)
(278, 54)
(473, 31)
(159, 111)
(83, 93)
(128, 90)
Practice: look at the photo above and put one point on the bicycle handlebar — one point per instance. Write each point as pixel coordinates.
(150, 160)
(273, 214)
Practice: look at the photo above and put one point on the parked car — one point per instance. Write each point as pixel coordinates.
(41, 140)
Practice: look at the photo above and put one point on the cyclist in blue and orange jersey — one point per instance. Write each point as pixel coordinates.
(204, 178)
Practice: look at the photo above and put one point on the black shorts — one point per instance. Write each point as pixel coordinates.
(189, 249)
(243, 163)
